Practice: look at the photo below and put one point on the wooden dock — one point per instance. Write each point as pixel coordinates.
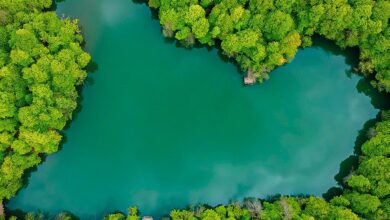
(250, 79)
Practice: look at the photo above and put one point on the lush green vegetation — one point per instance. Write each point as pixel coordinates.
(41, 64)
(263, 34)
(366, 193)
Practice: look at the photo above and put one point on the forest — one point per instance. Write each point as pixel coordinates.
(42, 63)
(261, 35)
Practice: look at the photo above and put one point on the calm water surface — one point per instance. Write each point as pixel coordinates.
(161, 127)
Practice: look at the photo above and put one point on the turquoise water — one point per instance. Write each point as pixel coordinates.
(161, 126)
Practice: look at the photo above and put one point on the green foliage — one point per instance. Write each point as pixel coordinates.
(210, 214)
(41, 64)
(65, 216)
(340, 201)
(363, 204)
(339, 213)
(34, 216)
(379, 143)
(132, 214)
(154, 3)
(116, 216)
(181, 215)
(262, 35)
(272, 211)
(317, 208)
(359, 183)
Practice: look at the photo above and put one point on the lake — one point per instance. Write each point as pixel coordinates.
(161, 126)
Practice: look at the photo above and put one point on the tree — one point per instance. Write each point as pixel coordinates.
(359, 183)
(277, 25)
(363, 204)
(200, 27)
(41, 63)
(378, 145)
(338, 213)
(182, 215)
(317, 207)
(210, 214)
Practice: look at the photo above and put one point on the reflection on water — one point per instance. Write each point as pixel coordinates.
(162, 127)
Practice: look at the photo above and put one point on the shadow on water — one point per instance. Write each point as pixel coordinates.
(378, 99)
(318, 42)
(89, 81)
(154, 12)
(91, 68)
(53, 6)
(347, 166)
(196, 45)
(351, 163)
(350, 54)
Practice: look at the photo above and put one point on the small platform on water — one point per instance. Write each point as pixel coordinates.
(250, 79)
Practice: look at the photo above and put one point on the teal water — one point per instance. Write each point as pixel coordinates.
(162, 127)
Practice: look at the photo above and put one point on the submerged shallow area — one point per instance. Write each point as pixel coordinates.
(161, 127)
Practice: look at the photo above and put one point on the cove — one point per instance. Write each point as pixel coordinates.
(162, 127)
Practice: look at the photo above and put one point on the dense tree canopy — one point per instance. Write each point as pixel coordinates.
(263, 34)
(41, 64)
